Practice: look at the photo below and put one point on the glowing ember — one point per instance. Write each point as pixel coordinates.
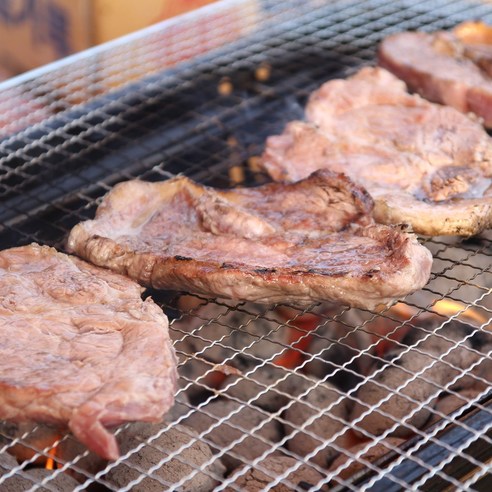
(298, 340)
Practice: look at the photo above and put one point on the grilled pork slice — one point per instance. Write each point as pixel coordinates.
(424, 164)
(295, 243)
(80, 347)
(453, 68)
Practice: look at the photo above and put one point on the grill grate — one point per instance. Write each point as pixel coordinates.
(199, 98)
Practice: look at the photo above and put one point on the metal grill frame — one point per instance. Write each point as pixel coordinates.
(150, 105)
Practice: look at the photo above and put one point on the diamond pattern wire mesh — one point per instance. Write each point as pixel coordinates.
(198, 95)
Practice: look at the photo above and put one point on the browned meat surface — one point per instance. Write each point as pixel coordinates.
(453, 68)
(80, 347)
(295, 243)
(424, 164)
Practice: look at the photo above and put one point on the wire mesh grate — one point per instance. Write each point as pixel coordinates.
(271, 397)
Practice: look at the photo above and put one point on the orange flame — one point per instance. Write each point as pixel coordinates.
(50, 461)
(50, 464)
(446, 307)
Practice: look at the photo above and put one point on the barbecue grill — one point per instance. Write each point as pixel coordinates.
(198, 95)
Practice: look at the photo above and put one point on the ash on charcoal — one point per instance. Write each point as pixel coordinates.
(181, 407)
(428, 334)
(437, 359)
(255, 480)
(7, 462)
(341, 353)
(60, 483)
(335, 352)
(32, 439)
(26, 479)
(85, 463)
(327, 402)
(459, 343)
(237, 335)
(466, 274)
(37, 437)
(239, 420)
(449, 403)
(481, 374)
(191, 458)
(262, 387)
(197, 377)
(338, 363)
(354, 465)
(403, 407)
(211, 334)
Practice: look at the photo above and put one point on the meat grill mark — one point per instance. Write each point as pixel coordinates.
(265, 270)
(294, 243)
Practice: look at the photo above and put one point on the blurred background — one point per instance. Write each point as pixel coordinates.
(36, 32)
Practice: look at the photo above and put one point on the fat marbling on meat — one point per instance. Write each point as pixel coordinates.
(79, 347)
(424, 164)
(313, 240)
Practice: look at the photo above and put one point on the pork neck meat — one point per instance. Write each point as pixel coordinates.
(450, 67)
(295, 243)
(424, 164)
(80, 347)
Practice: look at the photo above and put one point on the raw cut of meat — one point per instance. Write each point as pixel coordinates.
(450, 67)
(79, 347)
(424, 164)
(314, 240)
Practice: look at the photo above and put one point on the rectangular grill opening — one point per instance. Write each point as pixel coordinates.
(269, 395)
